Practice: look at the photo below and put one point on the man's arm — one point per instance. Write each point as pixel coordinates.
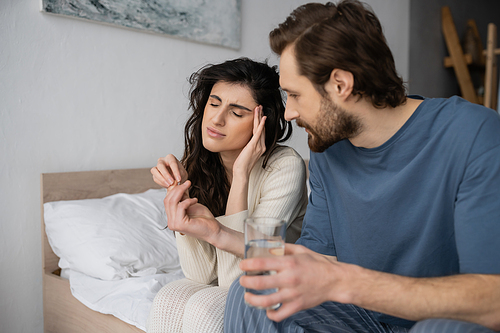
(306, 279)
(468, 297)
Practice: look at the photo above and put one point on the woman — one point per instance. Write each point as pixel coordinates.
(233, 167)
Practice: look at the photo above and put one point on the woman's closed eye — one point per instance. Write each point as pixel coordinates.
(236, 114)
(235, 111)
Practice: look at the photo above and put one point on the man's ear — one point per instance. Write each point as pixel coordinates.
(340, 84)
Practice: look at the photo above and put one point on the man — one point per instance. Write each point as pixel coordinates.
(403, 220)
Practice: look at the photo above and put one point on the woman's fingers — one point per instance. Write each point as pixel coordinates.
(186, 203)
(261, 127)
(259, 122)
(257, 116)
(175, 167)
(168, 171)
(159, 178)
(176, 193)
(164, 172)
(262, 135)
(176, 203)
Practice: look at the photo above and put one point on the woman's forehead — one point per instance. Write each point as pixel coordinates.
(233, 93)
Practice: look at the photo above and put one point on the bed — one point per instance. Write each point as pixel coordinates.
(67, 305)
(63, 312)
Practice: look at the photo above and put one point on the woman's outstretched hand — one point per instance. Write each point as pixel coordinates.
(169, 171)
(189, 217)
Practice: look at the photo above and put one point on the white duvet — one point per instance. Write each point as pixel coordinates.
(127, 299)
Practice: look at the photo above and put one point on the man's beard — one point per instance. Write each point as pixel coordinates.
(334, 124)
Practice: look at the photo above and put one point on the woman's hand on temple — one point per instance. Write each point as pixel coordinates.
(169, 171)
(254, 148)
(238, 195)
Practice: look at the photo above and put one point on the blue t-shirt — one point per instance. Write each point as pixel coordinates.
(426, 203)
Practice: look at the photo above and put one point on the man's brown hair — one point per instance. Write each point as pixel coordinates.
(345, 36)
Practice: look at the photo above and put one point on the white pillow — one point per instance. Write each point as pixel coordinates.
(112, 238)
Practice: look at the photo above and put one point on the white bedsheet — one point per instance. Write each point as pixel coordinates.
(128, 299)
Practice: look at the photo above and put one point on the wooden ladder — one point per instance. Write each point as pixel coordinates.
(491, 79)
(460, 61)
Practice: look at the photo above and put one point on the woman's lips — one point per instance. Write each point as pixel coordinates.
(212, 132)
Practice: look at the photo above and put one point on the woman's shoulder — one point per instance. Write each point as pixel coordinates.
(285, 165)
(284, 155)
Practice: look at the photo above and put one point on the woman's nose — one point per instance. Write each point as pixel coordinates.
(219, 117)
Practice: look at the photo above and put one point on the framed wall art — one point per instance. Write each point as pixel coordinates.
(216, 22)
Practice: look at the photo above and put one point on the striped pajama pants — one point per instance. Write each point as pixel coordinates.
(327, 317)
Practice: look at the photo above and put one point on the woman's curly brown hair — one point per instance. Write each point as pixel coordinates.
(205, 169)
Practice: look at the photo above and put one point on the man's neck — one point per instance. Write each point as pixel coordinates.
(379, 125)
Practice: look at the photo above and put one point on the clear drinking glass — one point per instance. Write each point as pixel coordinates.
(264, 237)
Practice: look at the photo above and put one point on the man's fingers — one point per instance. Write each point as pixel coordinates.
(273, 263)
(258, 282)
(263, 301)
(291, 249)
(284, 311)
(288, 306)
(262, 264)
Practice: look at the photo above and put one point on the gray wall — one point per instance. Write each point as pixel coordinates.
(76, 95)
(428, 77)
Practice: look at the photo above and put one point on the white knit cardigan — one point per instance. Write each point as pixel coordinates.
(277, 191)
